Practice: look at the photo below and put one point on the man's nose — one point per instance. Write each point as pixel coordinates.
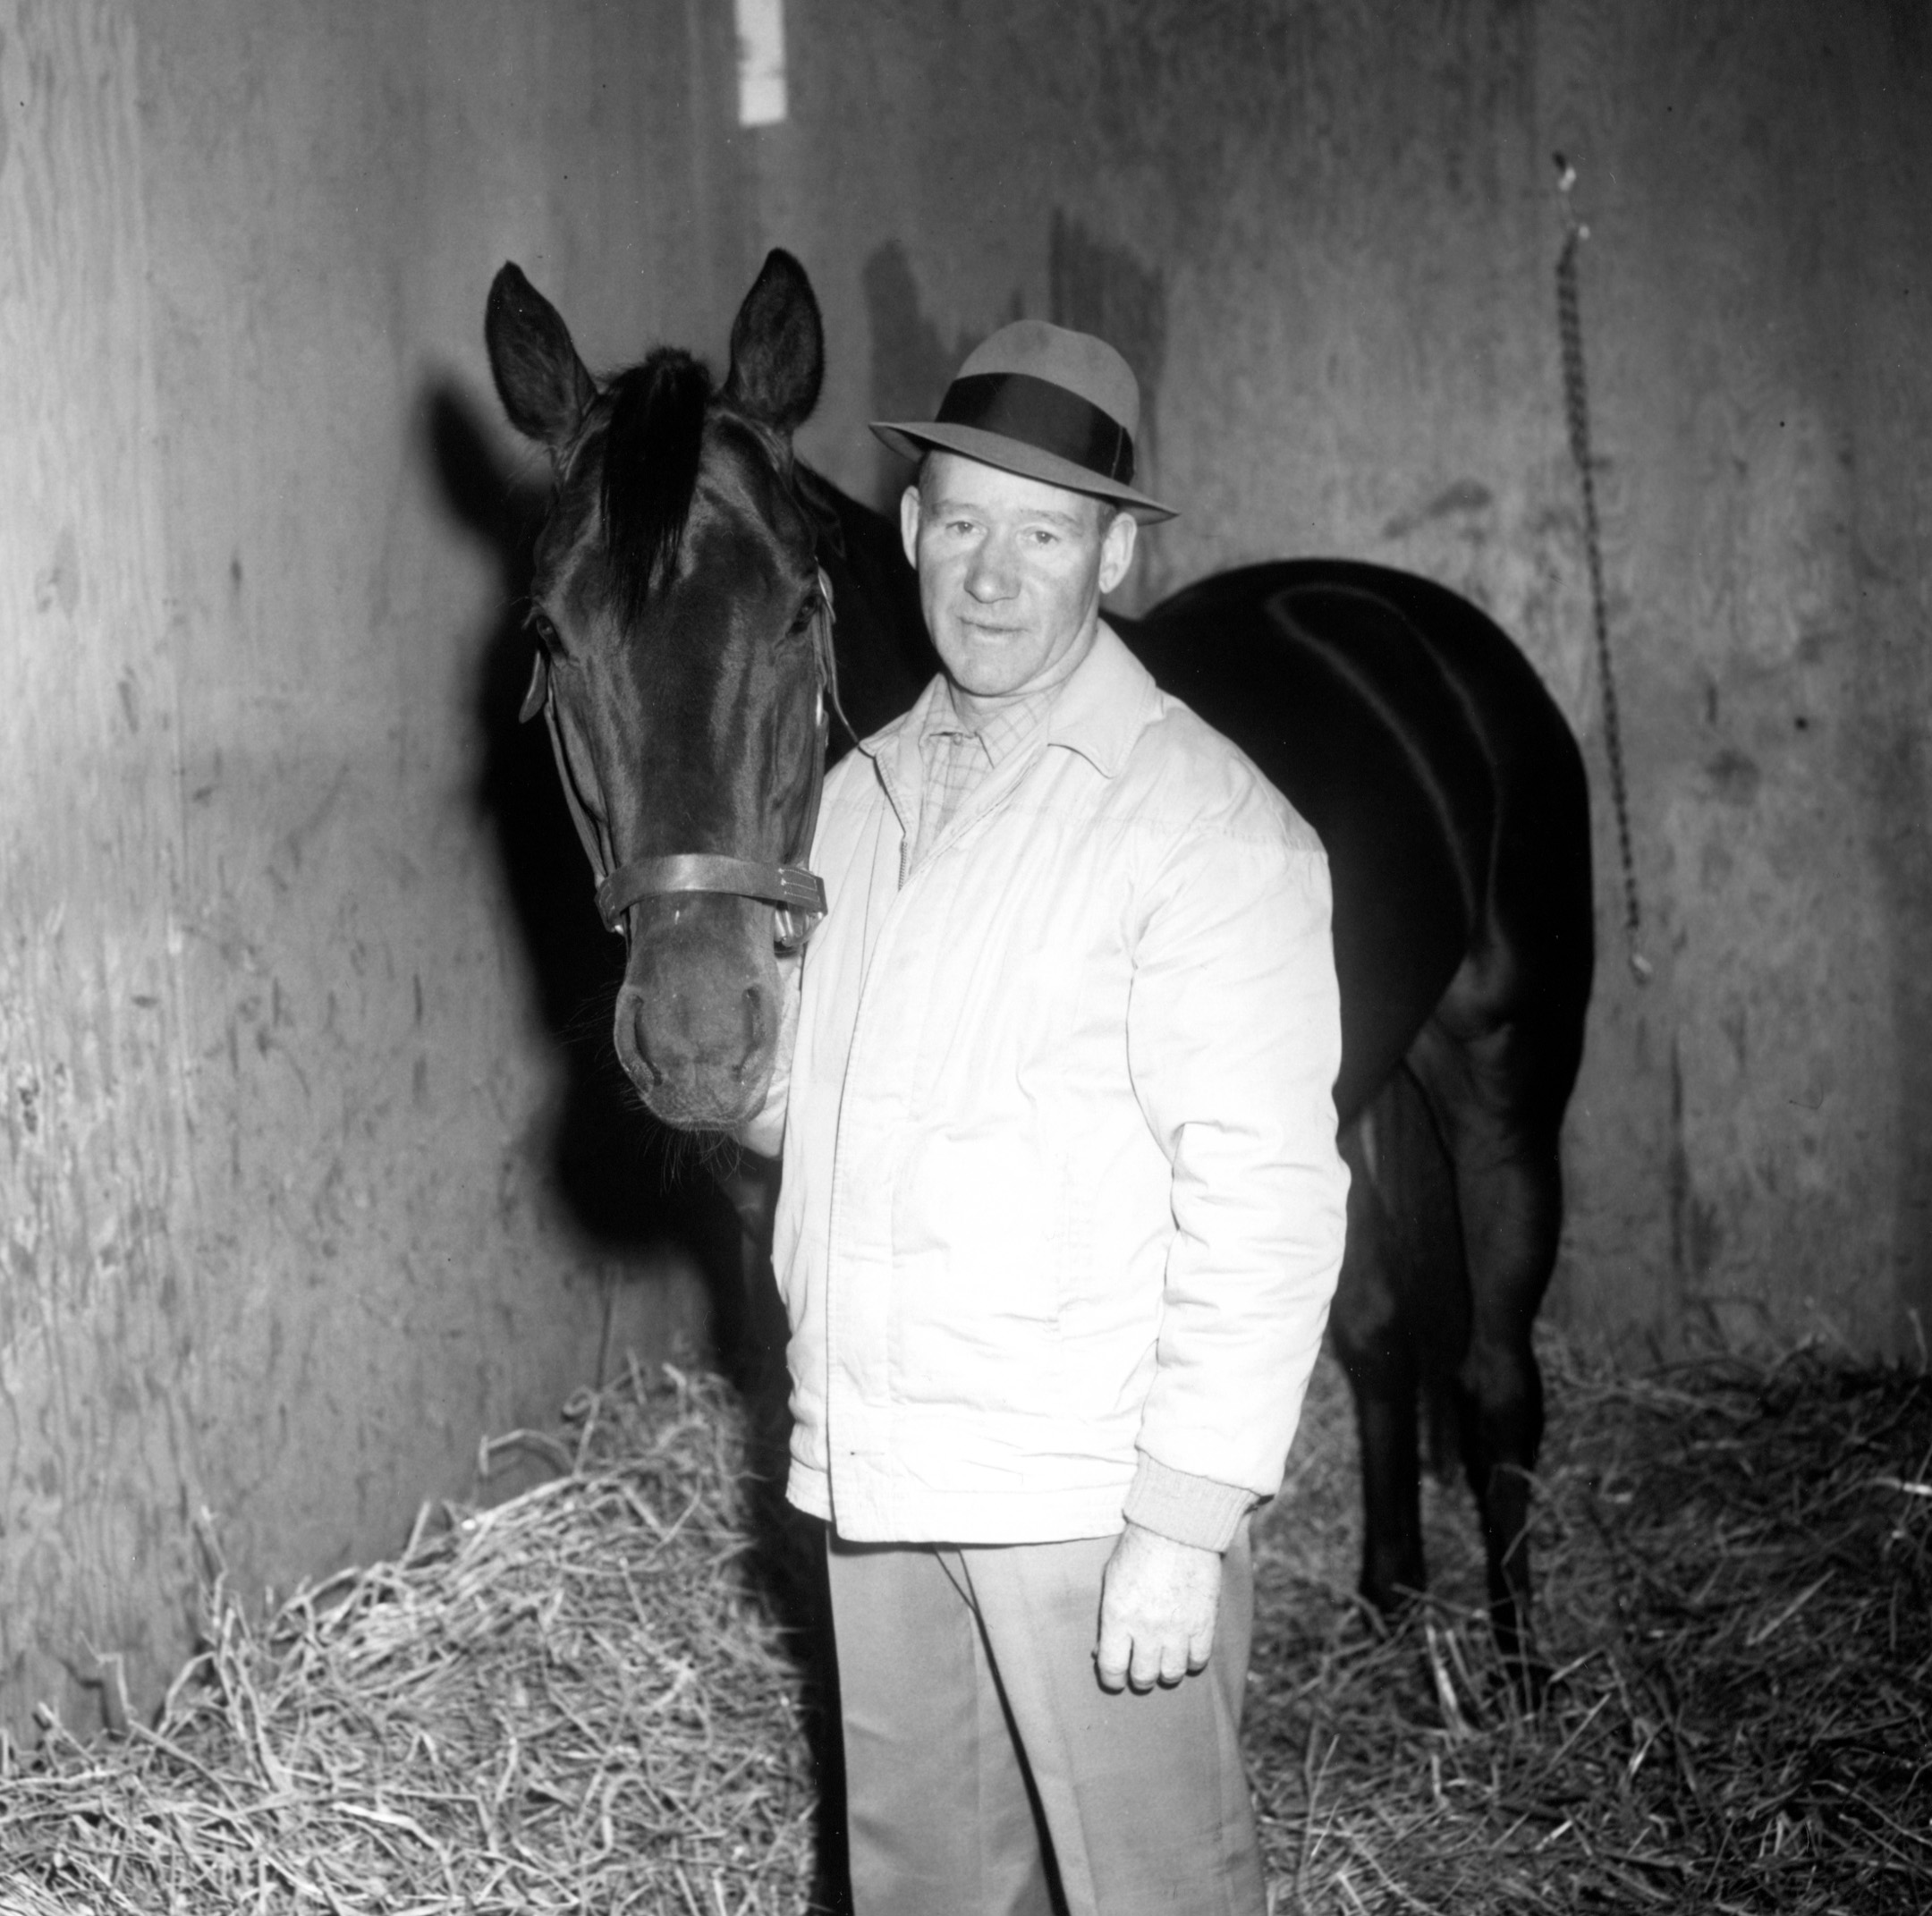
(992, 575)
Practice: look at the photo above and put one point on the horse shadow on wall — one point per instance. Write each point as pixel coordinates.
(630, 1185)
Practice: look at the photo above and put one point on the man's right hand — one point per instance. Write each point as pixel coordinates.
(1158, 1602)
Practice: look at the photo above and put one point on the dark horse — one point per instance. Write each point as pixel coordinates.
(681, 603)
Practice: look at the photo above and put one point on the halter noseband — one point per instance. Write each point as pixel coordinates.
(797, 894)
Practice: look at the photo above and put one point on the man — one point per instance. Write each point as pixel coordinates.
(1062, 1210)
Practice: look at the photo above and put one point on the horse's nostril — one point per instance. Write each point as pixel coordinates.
(754, 1032)
(633, 1052)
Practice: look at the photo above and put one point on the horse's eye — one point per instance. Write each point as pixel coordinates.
(539, 623)
(808, 611)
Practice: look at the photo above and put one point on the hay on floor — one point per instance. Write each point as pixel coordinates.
(582, 1700)
(572, 1701)
(1734, 1586)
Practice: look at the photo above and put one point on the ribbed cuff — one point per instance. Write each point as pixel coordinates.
(1190, 1510)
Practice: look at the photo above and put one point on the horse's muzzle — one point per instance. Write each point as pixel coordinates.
(701, 1056)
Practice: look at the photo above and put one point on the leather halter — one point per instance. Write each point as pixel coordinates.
(797, 894)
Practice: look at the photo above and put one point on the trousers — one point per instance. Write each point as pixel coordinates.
(988, 1772)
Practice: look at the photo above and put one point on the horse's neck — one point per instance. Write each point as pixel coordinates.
(885, 657)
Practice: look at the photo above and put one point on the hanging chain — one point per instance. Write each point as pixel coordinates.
(1576, 408)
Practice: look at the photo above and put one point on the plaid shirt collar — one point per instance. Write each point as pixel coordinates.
(1004, 731)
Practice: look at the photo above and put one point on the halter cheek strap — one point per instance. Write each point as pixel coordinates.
(797, 894)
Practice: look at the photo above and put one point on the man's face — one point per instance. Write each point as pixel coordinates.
(1011, 572)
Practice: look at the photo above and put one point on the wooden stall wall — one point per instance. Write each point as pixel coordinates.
(285, 984)
(1325, 232)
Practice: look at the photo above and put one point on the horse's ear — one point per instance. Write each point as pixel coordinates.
(777, 346)
(540, 379)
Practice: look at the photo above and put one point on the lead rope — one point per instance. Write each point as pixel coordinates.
(1576, 408)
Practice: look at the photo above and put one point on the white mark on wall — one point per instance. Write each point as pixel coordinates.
(761, 62)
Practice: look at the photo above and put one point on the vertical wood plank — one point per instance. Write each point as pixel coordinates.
(99, 1313)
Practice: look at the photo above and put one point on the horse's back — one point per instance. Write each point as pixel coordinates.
(1418, 741)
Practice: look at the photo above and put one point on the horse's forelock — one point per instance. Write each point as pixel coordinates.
(652, 444)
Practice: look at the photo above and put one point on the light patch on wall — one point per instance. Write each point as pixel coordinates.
(761, 74)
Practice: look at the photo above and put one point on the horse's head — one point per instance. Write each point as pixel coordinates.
(682, 637)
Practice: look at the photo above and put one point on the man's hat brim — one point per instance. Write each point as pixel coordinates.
(914, 438)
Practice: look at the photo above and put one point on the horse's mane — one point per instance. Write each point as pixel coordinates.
(651, 446)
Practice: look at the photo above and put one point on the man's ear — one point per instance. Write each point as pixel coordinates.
(1118, 549)
(909, 523)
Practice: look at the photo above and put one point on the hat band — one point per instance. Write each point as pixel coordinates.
(1045, 415)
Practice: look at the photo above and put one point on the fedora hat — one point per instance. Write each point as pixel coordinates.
(1045, 403)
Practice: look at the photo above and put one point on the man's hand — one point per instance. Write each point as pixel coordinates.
(1157, 1605)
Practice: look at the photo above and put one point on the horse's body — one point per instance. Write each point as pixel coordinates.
(1450, 798)
(1398, 719)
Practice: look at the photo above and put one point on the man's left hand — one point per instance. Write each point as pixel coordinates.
(1157, 1605)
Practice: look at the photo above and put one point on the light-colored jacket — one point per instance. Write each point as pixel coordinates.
(1061, 1187)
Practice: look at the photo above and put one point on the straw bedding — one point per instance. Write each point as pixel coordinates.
(1734, 1587)
(583, 1699)
(576, 1701)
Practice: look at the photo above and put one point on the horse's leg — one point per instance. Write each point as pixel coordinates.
(1369, 1334)
(1501, 1139)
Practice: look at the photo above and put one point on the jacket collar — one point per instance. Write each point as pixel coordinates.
(1103, 709)
(1100, 711)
